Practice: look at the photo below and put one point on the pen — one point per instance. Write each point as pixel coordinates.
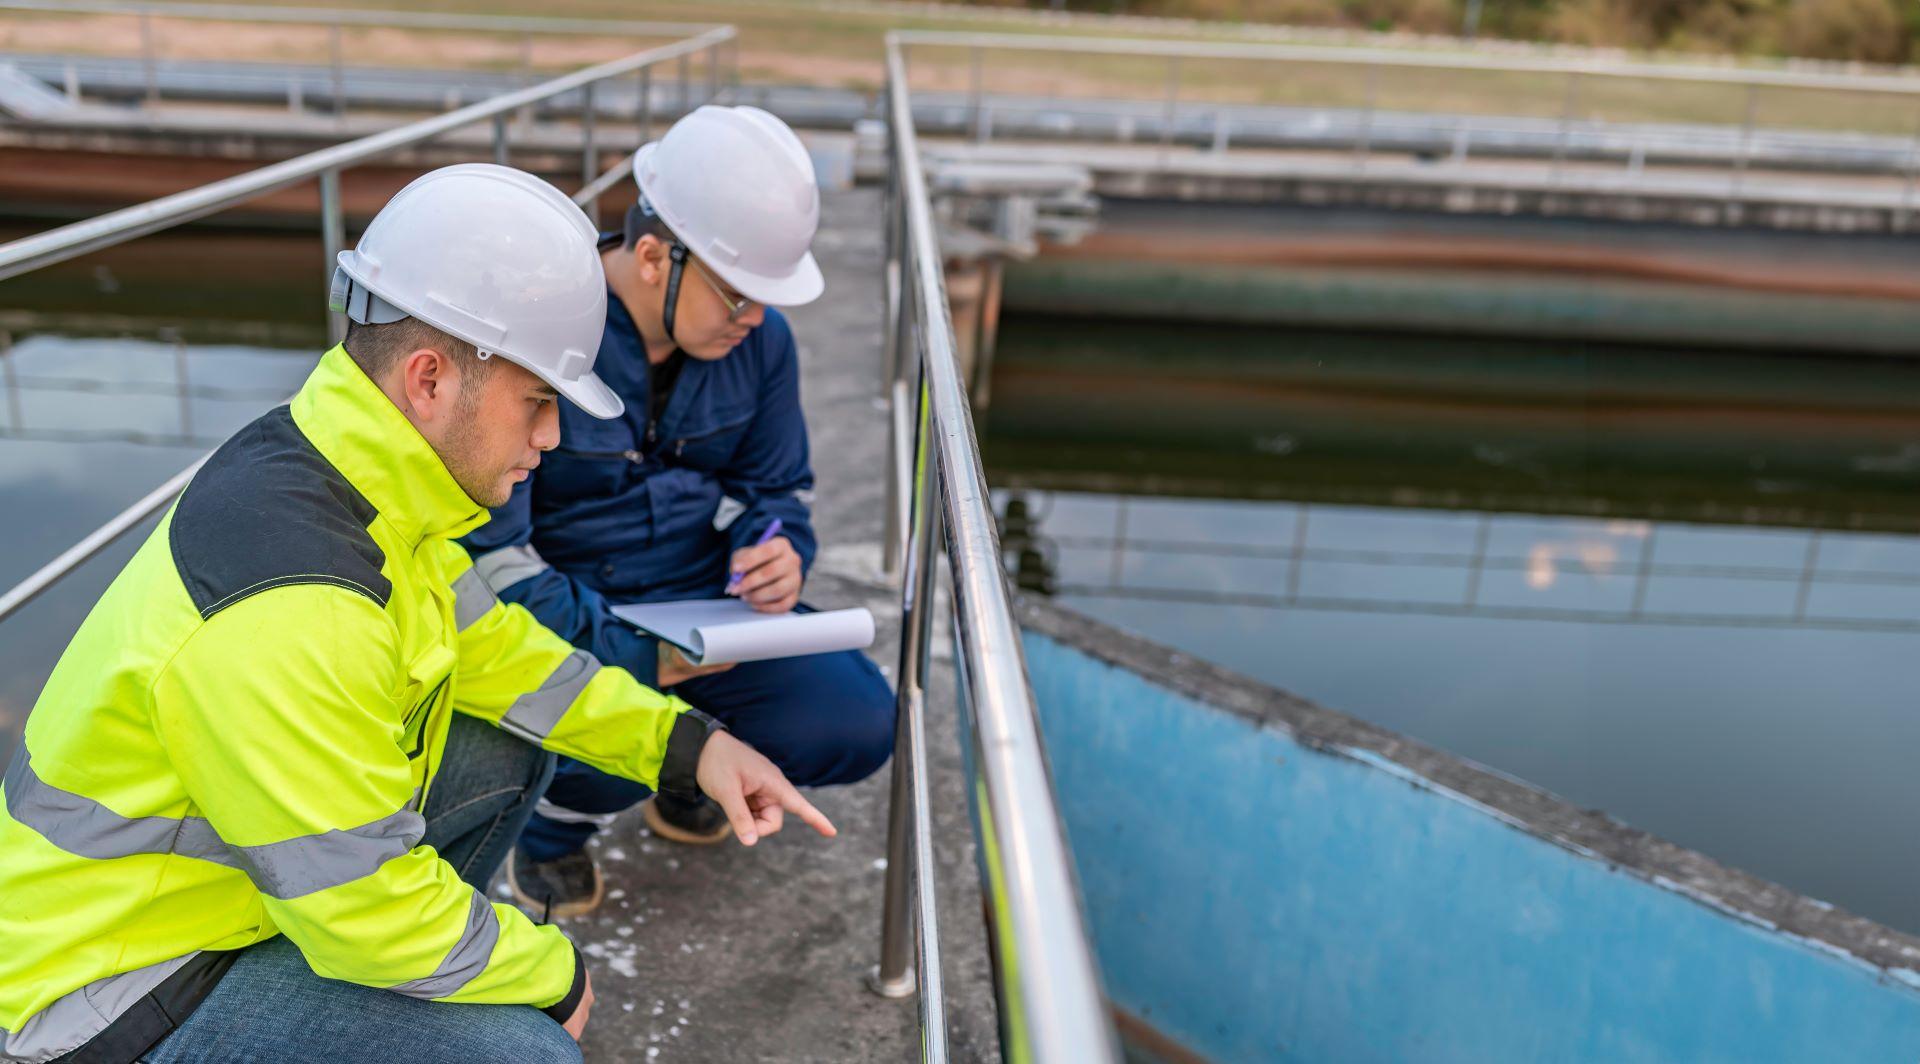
(733, 581)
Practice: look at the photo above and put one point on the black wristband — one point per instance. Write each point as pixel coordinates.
(563, 1009)
(679, 771)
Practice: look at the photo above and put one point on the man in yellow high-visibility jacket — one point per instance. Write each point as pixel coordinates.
(261, 796)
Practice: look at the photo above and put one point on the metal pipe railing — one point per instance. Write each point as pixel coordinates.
(67, 242)
(340, 16)
(1575, 74)
(72, 241)
(1463, 61)
(336, 21)
(1051, 1004)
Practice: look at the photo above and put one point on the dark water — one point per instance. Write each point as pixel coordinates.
(1682, 587)
(92, 414)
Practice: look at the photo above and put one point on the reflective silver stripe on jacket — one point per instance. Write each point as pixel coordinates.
(533, 715)
(503, 568)
(299, 866)
(564, 815)
(84, 827)
(472, 598)
(286, 869)
(74, 1018)
(466, 959)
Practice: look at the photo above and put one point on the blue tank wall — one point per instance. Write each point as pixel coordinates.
(1255, 899)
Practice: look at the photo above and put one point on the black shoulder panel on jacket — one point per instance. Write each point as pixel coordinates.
(267, 510)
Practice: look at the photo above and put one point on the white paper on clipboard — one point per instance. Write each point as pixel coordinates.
(725, 630)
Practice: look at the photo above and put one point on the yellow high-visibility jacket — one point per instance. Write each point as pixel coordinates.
(239, 740)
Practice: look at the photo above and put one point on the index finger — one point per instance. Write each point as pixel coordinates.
(804, 809)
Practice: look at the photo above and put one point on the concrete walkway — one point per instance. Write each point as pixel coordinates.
(729, 954)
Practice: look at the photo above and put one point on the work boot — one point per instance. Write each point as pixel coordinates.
(699, 822)
(565, 886)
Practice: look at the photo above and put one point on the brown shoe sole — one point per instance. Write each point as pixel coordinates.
(673, 833)
(564, 910)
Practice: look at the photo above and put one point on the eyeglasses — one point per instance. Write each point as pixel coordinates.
(735, 307)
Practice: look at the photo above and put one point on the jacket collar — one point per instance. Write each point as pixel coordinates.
(362, 434)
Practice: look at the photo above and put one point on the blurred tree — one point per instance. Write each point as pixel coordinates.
(1867, 30)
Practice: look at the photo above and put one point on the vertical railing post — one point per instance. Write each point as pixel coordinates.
(1645, 574)
(1907, 189)
(976, 94)
(500, 148)
(336, 61)
(1478, 565)
(149, 61)
(525, 114)
(1568, 104)
(1167, 111)
(589, 148)
(713, 73)
(1298, 555)
(897, 345)
(646, 104)
(894, 975)
(1363, 144)
(1808, 566)
(901, 356)
(183, 385)
(16, 412)
(1745, 150)
(333, 237)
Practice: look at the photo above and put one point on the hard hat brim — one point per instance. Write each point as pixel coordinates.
(802, 286)
(590, 394)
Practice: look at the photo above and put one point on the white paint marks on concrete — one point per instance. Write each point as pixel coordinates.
(621, 957)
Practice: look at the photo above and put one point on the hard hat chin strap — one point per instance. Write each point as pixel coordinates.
(678, 253)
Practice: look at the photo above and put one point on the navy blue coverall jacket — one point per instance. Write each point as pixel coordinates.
(625, 511)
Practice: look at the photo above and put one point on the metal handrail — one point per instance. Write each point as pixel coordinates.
(336, 21)
(1051, 1004)
(352, 17)
(58, 245)
(1574, 74)
(71, 241)
(1465, 61)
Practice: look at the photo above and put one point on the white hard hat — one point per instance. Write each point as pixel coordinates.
(496, 257)
(736, 186)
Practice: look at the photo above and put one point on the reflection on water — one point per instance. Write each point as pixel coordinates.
(125, 366)
(1724, 661)
(87, 426)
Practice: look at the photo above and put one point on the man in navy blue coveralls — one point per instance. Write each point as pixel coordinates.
(664, 501)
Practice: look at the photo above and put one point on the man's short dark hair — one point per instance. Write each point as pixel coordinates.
(376, 349)
(642, 222)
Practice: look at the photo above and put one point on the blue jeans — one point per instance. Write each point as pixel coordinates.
(823, 719)
(271, 1007)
